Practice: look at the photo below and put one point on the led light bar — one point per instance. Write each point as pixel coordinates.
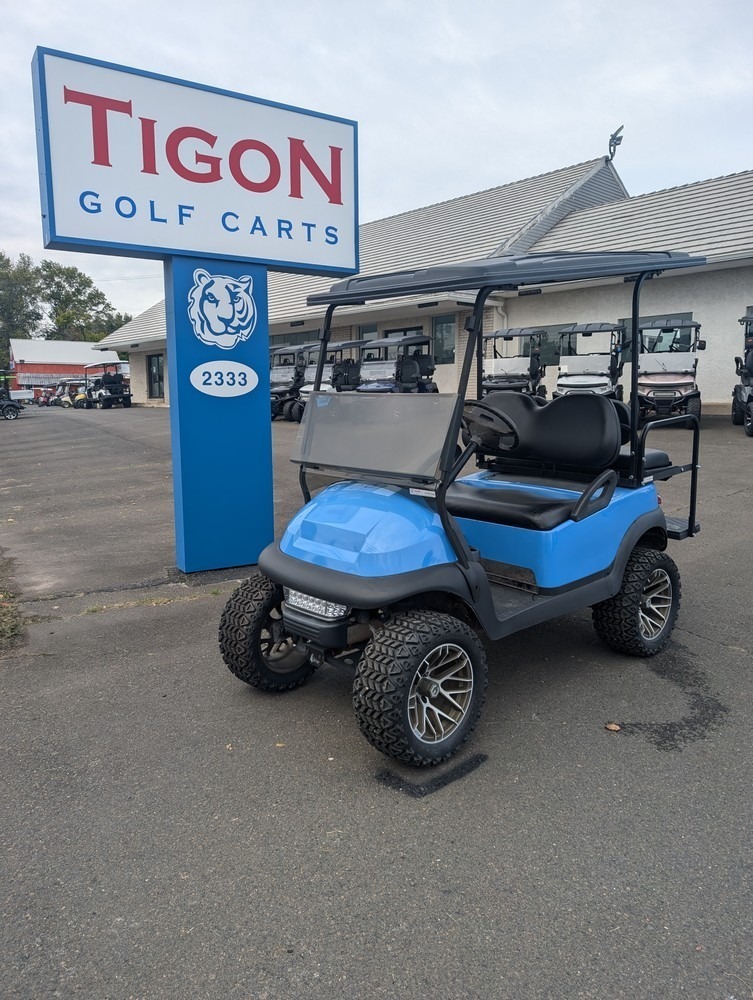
(315, 605)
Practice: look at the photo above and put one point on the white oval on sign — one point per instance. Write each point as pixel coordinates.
(224, 378)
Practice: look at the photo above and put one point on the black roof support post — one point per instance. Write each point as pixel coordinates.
(635, 459)
(323, 341)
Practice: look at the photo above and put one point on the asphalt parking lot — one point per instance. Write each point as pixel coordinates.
(169, 833)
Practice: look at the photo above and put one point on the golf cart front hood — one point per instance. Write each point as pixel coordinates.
(583, 383)
(367, 531)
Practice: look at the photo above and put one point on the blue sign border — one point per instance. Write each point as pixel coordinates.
(53, 241)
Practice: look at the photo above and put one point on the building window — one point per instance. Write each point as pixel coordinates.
(443, 329)
(409, 331)
(367, 331)
(155, 376)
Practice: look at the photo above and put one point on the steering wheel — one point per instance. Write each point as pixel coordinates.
(500, 423)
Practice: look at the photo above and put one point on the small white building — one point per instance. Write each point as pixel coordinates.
(579, 208)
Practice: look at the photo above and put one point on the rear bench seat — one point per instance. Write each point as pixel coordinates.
(580, 430)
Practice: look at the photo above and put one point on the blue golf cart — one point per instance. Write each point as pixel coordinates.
(400, 564)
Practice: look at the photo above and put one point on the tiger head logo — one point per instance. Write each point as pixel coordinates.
(221, 309)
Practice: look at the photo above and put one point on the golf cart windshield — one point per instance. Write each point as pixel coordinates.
(667, 341)
(365, 436)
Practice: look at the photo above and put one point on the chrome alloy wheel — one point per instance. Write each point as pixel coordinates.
(655, 604)
(440, 694)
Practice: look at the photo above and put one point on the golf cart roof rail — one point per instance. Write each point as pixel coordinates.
(670, 324)
(503, 272)
(105, 364)
(509, 333)
(414, 340)
(592, 328)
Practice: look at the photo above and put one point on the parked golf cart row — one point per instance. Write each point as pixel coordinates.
(400, 567)
(590, 360)
(399, 364)
(742, 394)
(102, 385)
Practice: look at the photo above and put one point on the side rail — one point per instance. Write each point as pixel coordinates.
(676, 526)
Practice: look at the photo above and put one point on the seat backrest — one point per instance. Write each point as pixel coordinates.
(623, 415)
(580, 429)
(409, 371)
(426, 365)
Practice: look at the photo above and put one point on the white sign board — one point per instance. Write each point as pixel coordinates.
(135, 163)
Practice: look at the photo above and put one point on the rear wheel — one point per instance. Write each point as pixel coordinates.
(420, 687)
(748, 420)
(9, 412)
(639, 619)
(297, 412)
(254, 643)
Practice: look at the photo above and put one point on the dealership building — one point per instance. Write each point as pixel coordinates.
(584, 207)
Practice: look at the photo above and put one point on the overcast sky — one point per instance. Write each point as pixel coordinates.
(450, 97)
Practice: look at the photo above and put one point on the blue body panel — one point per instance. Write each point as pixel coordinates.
(570, 552)
(374, 531)
(368, 531)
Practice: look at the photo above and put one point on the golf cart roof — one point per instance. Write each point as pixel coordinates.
(670, 324)
(588, 328)
(345, 345)
(515, 331)
(104, 364)
(414, 340)
(295, 348)
(504, 272)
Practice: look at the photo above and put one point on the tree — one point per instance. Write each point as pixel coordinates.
(75, 308)
(20, 301)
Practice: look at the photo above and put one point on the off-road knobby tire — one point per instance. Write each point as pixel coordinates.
(126, 402)
(694, 408)
(383, 681)
(287, 410)
(617, 621)
(252, 608)
(748, 420)
(9, 412)
(738, 412)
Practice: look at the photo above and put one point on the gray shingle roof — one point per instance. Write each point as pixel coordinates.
(713, 217)
(61, 352)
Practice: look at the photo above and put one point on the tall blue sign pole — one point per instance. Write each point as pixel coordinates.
(222, 187)
(218, 345)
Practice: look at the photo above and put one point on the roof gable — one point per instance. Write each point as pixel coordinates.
(712, 217)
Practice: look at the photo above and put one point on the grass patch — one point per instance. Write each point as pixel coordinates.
(12, 625)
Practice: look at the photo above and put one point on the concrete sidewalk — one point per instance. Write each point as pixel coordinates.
(170, 833)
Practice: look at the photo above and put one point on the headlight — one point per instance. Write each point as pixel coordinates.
(316, 605)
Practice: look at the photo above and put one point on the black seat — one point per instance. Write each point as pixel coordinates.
(579, 430)
(518, 508)
(653, 458)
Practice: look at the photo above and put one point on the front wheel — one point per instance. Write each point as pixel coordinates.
(639, 619)
(9, 413)
(694, 408)
(253, 640)
(738, 412)
(420, 687)
(297, 411)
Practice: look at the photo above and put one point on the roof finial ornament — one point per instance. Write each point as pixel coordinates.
(614, 140)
